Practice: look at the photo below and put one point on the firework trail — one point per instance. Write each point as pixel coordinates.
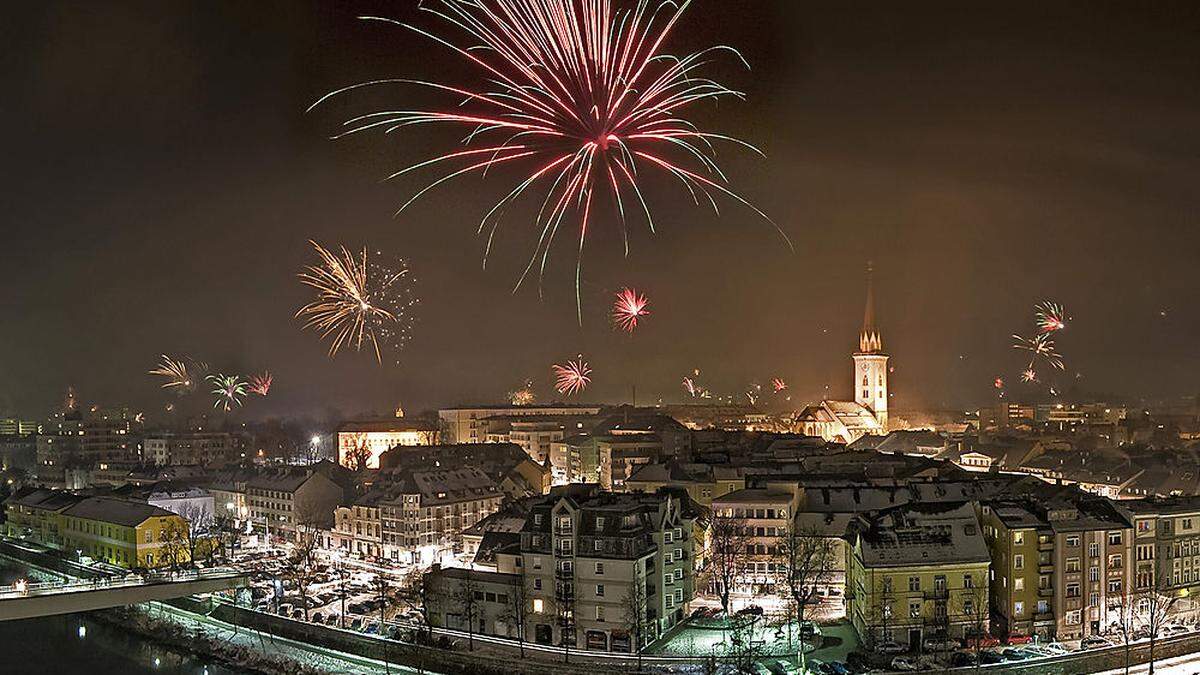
(522, 396)
(573, 377)
(260, 384)
(229, 390)
(1040, 346)
(177, 375)
(689, 385)
(581, 100)
(778, 385)
(628, 307)
(1050, 317)
(359, 300)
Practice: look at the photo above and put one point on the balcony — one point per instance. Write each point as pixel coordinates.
(937, 594)
(1047, 545)
(1046, 592)
(1039, 617)
(1046, 567)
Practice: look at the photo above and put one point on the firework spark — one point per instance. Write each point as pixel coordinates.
(524, 395)
(581, 99)
(1050, 317)
(778, 384)
(573, 377)
(628, 308)
(260, 384)
(998, 383)
(229, 390)
(359, 300)
(177, 375)
(1039, 346)
(1029, 375)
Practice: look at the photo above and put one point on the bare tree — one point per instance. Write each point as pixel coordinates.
(301, 564)
(1155, 603)
(517, 611)
(225, 529)
(727, 553)
(175, 543)
(804, 561)
(199, 529)
(635, 606)
(358, 456)
(469, 606)
(1125, 624)
(976, 613)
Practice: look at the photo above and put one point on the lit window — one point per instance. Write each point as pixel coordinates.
(538, 606)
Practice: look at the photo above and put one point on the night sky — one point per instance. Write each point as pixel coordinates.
(161, 181)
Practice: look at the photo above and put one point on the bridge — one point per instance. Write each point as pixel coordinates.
(24, 600)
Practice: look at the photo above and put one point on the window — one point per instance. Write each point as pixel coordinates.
(667, 538)
(679, 596)
(678, 574)
(1018, 562)
(1018, 538)
(538, 605)
(887, 611)
(1072, 564)
(914, 609)
(914, 584)
(1114, 538)
(1186, 524)
(1143, 526)
(1114, 562)
(600, 613)
(670, 601)
(1018, 608)
(599, 545)
(600, 568)
(599, 590)
(1093, 573)
(1043, 607)
(1093, 550)
(968, 581)
(537, 585)
(599, 522)
(1114, 586)
(887, 584)
(1073, 590)
(1073, 617)
(1019, 584)
(1072, 540)
(968, 607)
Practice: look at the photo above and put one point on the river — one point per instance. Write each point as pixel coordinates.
(77, 644)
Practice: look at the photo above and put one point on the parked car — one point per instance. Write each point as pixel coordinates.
(372, 628)
(297, 614)
(1173, 629)
(941, 645)
(1056, 648)
(1019, 639)
(962, 659)
(1095, 642)
(988, 658)
(891, 648)
(982, 642)
(318, 617)
(356, 624)
(1011, 654)
(285, 609)
(782, 667)
(838, 668)
(905, 664)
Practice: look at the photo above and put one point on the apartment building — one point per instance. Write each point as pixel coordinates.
(1062, 560)
(766, 514)
(1166, 549)
(594, 569)
(470, 424)
(280, 501)
(203, 448)
(918, 572)
(125, 533)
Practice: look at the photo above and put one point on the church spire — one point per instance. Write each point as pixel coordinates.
(869, 341)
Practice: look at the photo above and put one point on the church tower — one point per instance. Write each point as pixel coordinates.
(870, 364)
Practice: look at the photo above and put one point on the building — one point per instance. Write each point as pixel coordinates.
(283, 501)
(125, 533)
(379, 436)
(703, 482)
(593, 569)
(32, 513)
(918, 572)
(417, 518)
(847, 421)
(201, 448)
(1062, 561)
(1166, 549)
(766, 513)
(469, 424)
(10, 426)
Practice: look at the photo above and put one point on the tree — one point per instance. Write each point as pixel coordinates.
(726, 557)
(358, 456)
(199, 529)
(226, 530)
(976, 614)
(804, 561)
(175, 542)
(517, 611)
(1124, 625)
(1155, 602)
(470, 609)
(564, 608)
(635, 607)
(301, 565)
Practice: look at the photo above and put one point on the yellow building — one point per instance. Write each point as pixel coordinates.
(125, 533)
(703, 482)
(33, 514)
(917, 573)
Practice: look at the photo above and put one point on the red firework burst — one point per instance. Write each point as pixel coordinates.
(573, 377)
(579, 97)
(261, 384)
(628, 307)
(778, 385)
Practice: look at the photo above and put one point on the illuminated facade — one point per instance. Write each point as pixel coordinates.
(379, 437)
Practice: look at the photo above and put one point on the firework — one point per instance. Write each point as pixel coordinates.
(573, 377)
(1039, 346)
(229, 390)
(260, 384)
(1029, 375)
(629, 306)
(177, 375)
(998, 383)
(778, 385)
(1050, 317)
(581, 100)
(360, 300)
(522, 396)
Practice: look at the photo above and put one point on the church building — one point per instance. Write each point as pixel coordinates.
(847, 421)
